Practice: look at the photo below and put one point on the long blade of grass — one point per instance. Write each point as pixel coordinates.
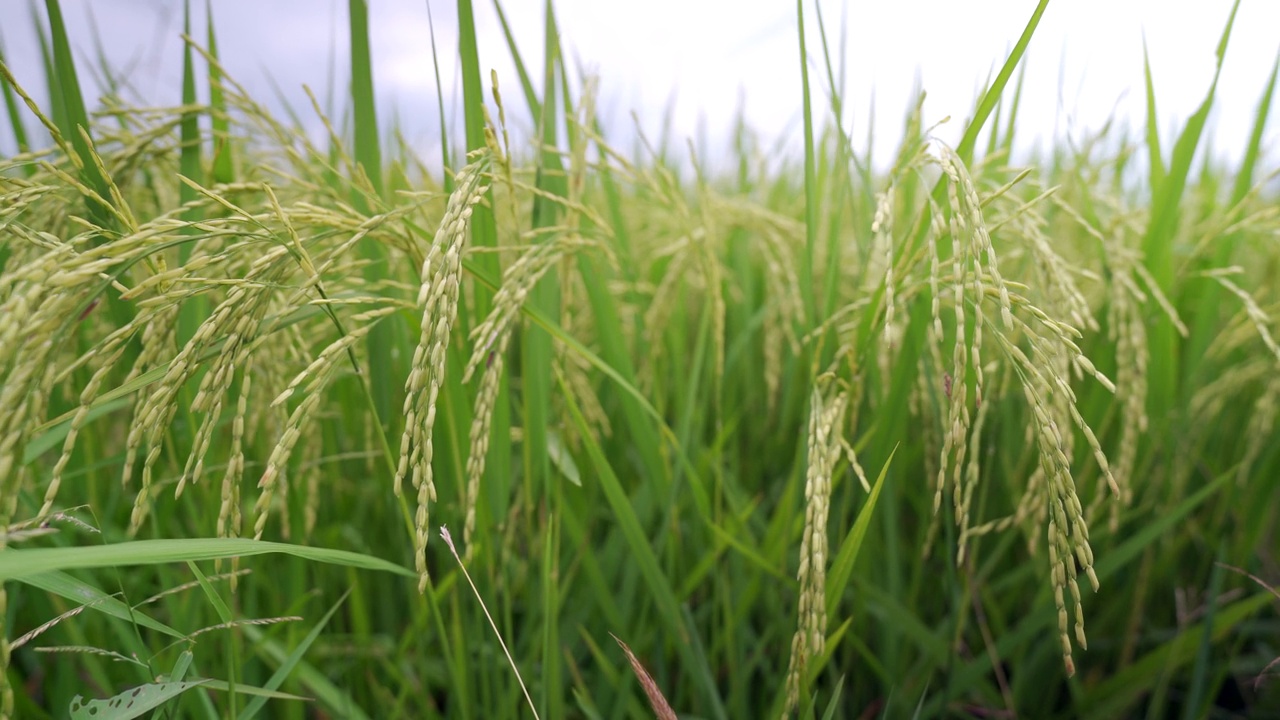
(385, 384)
(368, 149)
(992, 96)
(1006, 142)
(64, 585)
(190, 164)
(614, 341)
(16, 125)
(1155, 156)
(290, 662)
(552, 700)
(1195, 705)
(1207, 323)
(526, 82)
(189, 156)
(811, 191)
(1253, 151)
(834, 703)
(232, 657)
(444, 126)
(223, 170)
(484, 236)
(842, 566)
(23, 564)
(484, 228)
(50, 74)
(69, 98)
(1158, 242)
(315, 681)
(841, 183)
(536, 350)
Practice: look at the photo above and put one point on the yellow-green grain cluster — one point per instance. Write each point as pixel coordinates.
(1034, 356)
(438, 303)
(826, 420)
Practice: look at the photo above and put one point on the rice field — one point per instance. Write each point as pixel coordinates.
(320, 429)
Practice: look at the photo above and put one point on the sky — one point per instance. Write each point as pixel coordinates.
(707, 59)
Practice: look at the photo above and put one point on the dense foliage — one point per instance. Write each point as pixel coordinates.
(965, 437)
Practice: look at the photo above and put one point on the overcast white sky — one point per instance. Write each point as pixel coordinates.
(1085, 61)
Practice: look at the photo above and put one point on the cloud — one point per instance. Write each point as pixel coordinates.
(708, 57)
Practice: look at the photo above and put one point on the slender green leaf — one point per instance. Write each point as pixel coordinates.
(368, 150)
(1124, 688)
(16, 125)
(992, 96)
(1159, 240)
(643, 557)
(23, 564)
(223, 170)
(75, 118)
(847, 556)
(64, 585)
(290, 662)
(808, 290)
(1155, 157)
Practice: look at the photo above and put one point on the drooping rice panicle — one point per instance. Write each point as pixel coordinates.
(826, 420)
(1000, 325)
(438, 303)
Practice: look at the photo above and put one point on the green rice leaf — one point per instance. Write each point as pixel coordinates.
(23, 564)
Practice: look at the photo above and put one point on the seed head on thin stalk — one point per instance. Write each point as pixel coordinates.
(825, 421)
(1041, 351)
(882, 253)
(312, 381)
(490, 339)
(229, 520)
(661, 708)
(112, 353)
(955, 383)
(233, 323)
(479, 436)
(1128, 329)
(438, 303)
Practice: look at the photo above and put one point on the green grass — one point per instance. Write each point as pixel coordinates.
(910, 413)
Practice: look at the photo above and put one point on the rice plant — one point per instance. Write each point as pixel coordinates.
(976, 435)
